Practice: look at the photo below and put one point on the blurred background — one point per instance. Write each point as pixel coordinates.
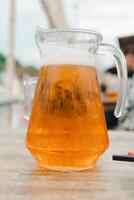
(19, 57)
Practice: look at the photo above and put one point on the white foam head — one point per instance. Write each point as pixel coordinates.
(51, 55)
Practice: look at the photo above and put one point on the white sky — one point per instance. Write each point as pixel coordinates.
(28, 15)
(111, 17)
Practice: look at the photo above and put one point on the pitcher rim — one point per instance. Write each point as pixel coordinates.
(77, 30)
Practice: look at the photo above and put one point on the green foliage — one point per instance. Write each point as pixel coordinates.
(2, 62)
(32, 68)
(17, 62)
(18, 65)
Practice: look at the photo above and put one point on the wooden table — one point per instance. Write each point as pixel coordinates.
(22, 179)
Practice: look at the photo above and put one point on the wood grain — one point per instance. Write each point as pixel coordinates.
(21, 178)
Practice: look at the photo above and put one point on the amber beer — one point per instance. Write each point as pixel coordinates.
(67, 128)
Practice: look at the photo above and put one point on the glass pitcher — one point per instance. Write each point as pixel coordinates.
(67, 129)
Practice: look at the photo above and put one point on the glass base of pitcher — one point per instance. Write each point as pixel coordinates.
(67, 169)
(66, 162)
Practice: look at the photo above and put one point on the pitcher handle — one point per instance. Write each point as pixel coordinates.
(121, 66)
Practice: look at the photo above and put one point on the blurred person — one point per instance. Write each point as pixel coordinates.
(110, 83)
(126, 122)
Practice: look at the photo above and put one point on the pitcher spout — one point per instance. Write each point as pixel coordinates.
(39, 37)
